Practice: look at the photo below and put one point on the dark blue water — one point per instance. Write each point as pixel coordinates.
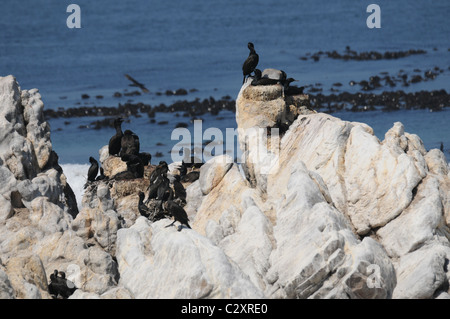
(202, 44)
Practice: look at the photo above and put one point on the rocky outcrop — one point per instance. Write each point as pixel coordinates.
(36, 215)
(321, 210)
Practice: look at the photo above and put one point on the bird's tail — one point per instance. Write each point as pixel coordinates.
(187, 224)
(243, 81)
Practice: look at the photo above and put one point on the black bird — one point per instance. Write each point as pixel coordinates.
(157, 177)
(183, 169)
(115, 141)
(163, 187)
(53, 162)
(442, 147)
(59, 285)
(180, 191)
(129, 143)
(153, 188)
(143, 209)
(190, 177)
(176, 211)
(161, 168)
(101, 176)
(137, 84)
(145, 158)
(258, 80)
(93, 169)
(251, 62)
(134, 164)
(292, 90)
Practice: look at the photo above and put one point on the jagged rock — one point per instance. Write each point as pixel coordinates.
(422, 273)
(212, 172)
(22, 141)
(194, 197)
(113, 165)
(324, 210)
(38, 130)
(159, 262)
(6, 209)
(417, 224)
(6, 290)
(27, 277)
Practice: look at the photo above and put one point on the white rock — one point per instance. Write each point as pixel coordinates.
(417, 224)
(159, 262)
(212, 172)
(6, 290)
(421, 273)
(250, 245)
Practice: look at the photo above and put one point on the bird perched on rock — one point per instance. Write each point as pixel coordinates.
(190, 177)
(157, 177)
(101, 176)
(129, 144)
(258, 80)
(143, 209)
(134, 164)
(59, 285)
(251, 62)
(180, 191)
(292, 90)
(163, 188)
(145, 158)
(114, 145)
(161, 169)
(176, 211)
(92, 171)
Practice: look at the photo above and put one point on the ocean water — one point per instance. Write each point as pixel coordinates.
(201, 45)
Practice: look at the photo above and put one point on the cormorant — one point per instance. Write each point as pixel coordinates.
(93, 169)
(153, 188)
(60, 285)
(163, 187)
(190, 177)
(114, 145)
(292, 90)
(251, 62)
(143, 209)
(145, 158)
(258, 80)
(161, 168)
(134, 164)
(102, 175)
(53, 162)
(180, 191)
(176, 211)
(129, 143)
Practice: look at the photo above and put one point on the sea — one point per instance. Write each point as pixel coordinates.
(200, 45)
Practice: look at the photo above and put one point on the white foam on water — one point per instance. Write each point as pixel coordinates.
(76, 177)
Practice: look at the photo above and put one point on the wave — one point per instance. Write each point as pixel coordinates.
(76, 177)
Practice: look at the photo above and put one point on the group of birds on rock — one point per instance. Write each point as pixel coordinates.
(60, 286)
(279, 77)
(166, 194)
